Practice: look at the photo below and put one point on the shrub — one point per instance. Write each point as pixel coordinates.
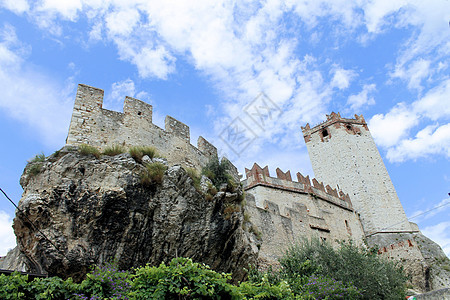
(89, 150)
(181, 279)
(230, 209)
(14, 286)
(105, 282)
(114, 150)
(35, 169)
(154, 174)
(137, 152)
(38, 158)
(373, 276)
(217, 172)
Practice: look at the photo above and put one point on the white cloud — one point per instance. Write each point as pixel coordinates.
(16, 6)
(391, 130)
(6, 233)
(388, 129)
(358, 101)
(439, 233)
(417, 71)
(341, 78)
(31, 97)
(436, 103)
(154, 62)
(432, 140)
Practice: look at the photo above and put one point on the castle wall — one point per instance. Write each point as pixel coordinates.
(286, 211)
(93, 125)
(343, 154)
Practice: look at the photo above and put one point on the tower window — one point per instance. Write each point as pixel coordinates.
(349, 127)
(324, 133)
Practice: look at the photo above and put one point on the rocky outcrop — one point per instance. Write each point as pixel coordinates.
(97, 210)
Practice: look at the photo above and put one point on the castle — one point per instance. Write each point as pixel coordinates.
(351, 198)
(93, 125)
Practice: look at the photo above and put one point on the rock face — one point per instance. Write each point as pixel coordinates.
(96, 210)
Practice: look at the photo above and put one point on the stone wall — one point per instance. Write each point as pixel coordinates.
(343, 154)
(286, 211)
(93, 125)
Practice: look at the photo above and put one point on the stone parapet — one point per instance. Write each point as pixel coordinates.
(260, 176)
(93, 125)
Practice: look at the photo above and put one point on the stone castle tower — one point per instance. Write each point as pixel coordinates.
(343, 154)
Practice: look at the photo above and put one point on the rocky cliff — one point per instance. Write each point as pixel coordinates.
(97, 210)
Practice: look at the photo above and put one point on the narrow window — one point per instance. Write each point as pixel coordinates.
(139, 113)
(324, 133)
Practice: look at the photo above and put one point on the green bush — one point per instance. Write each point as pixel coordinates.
(180, 279)
(113, 150)
(373, 276)
(89, 150)
(137, 152)
(217, 172)
(14, 286)
(38, 158)
(35, 169)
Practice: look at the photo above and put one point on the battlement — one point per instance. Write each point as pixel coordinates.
(258, 176)
(93, 125)
(338, 122)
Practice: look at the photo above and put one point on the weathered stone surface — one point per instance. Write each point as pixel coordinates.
(97, 210)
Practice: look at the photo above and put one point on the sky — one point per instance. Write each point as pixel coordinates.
(211, 64)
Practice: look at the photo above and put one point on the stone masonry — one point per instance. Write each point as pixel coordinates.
(343, 154)
(93, 125)
(286, 211)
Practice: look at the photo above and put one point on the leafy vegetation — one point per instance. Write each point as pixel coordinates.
(38, 158)
(307, 272)
(114, 150)
(218, 173)
(372, 276)
(89, 150)
(138, 152)
(35, 169)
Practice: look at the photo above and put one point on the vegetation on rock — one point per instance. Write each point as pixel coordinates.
(88, 150)
(114, 150)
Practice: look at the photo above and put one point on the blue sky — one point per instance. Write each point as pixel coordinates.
(205, 62)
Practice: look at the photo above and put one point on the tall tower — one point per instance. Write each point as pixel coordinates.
(343, 154)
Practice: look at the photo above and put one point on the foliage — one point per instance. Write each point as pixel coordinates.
(14, 286)
(137, 152)
(373, 276)
(35, 169)
(153, 174)
(324, 288)
(181, 279)
(311, 270)
(52, 288)
(217, 172)
(114, 150)
(88, 150)
(105, 282)
(38, 158)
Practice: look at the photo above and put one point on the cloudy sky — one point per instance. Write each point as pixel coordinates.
(205, 63)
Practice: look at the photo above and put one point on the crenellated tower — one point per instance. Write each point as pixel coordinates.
(343, 154)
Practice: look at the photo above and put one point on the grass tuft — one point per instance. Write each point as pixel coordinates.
(88, 150)
(137, 152)
(154, 174)
(114, 150)
(195, 178)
